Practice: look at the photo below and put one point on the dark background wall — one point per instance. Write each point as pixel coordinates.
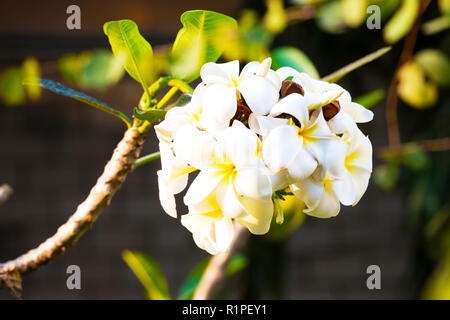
(52, 151)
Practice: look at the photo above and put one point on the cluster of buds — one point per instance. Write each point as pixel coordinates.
(252, 135)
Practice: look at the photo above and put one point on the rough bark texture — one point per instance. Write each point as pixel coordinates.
(114, 174)
(215, 272)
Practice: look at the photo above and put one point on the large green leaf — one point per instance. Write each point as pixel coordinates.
(295, 58)
(402, 21)
(202, 39)
(126, 41)
(149, 274)
(68, 92)
(236, 264)
(11, 90)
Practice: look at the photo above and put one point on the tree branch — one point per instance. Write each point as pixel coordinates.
(215, 272)
(114, 174)
(392, 95)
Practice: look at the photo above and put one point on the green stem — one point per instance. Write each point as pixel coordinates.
(169, 95)
(146, 159)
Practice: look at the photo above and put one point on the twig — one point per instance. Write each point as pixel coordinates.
(215, 272)
(5, 192)
(392, 95)
(115, 172)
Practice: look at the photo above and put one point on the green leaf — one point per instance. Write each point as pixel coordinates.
(335, 76)
(92, 69)
(435, 64)
(31, 73)
(236, 264)
(126, 41)
(149, 115)
(414, 88)
(371, 98)
(202, 39)
(292, 209)
(402, 21)
(386, 176)
(11, 90)
(294, 58)
(275, 19)
(68, 92)
(149, 274)
(193, 279)
(354, 12)
(331, 17)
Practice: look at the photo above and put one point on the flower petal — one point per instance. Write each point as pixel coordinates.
(259, 215)
(302, 166)
(344, 190)
(294, 105)
(357, 112)
(239, 145)
(227, 199)
(280, 147)
(308, 191)
(259, 93)
(203, 185)
(251, 182)
(262, 124)
(328, 206)
(286, 72)
(166, 197)
(220, 72)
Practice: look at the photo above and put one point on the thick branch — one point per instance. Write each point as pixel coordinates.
(115, 172)
(215, 272)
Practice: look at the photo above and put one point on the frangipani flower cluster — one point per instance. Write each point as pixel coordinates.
(247, 135)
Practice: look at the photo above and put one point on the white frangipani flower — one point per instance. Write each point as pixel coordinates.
(231, 170)
(172, 178)
(257, 84)
(211, 230)
(253, 133)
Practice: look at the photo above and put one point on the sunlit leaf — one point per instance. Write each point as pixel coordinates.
(444, 6)
(11, 90)
(149, 115)
(275, 19)
(402, 21)
(371, 98)
(149, 274)
(437, 287)
(236, 264)
(126, 41)
(68, 92)
(436, 25)
(342, 72)
(202, 39)
(354, 12)
(295, 58)
(293, 217)
(435, 64)
(31, 73)
(331, 17)
(414, 89)
(92, 69)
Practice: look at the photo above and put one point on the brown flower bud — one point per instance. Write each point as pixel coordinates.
(288, 87)
(331, 109)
